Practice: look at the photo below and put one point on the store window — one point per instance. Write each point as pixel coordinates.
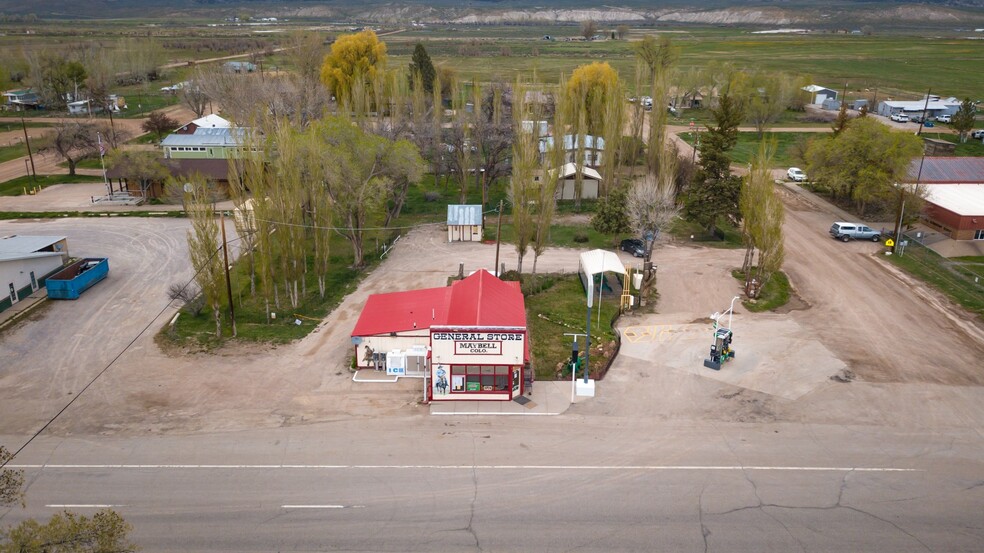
(979, 234)
(479, 378)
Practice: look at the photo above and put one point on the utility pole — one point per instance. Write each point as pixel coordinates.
(27, 141)
(112, 127)
(225, 255)
(923, 118)
(498, 236)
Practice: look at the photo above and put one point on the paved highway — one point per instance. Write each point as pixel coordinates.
(537, 484)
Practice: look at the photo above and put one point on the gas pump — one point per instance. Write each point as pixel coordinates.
(721, 350)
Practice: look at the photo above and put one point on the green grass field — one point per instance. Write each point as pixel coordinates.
(892, 64)
(749, 143)
(15, 151)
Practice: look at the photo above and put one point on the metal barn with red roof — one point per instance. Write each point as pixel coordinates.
(474, 334)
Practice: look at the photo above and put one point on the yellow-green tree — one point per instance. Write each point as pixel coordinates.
(590, 86)
(762, 217)
(358, 57)
(204, 245)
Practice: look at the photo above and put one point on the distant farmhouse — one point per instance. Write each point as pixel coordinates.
(934, 107)
(21, 99)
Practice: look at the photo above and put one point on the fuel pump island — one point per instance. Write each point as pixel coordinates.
(721, 350)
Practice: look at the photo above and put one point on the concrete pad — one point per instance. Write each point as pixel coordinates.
(773, 353)
(549, 398)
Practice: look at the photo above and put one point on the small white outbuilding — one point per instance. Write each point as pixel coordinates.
(464, 223)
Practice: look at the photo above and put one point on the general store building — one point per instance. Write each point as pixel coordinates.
(469, 339)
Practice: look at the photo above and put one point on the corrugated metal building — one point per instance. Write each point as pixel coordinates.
(955, 200)
(464, 223)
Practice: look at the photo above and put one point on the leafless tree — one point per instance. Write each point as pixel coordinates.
(652, 207)
(194, 96)
(73, 140)
(190, 296)
(246, 97)
(588, 29)
(307, 53)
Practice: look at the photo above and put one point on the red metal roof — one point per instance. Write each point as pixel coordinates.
(484, 300)
(402, 311)
(479, 300)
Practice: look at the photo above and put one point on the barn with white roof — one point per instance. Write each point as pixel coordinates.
(955, 197)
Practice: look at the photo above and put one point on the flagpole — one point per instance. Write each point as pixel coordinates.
(103, 163)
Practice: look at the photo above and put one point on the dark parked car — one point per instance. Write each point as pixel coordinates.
(634, 246)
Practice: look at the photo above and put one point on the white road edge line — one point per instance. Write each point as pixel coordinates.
(83, 506)
(312, 506)
(469, 467)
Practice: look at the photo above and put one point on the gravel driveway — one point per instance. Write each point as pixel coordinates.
(855, 310)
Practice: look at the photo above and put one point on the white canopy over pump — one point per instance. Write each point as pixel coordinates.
(594, 262)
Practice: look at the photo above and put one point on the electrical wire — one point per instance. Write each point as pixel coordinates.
(110, 364)
(161, 312)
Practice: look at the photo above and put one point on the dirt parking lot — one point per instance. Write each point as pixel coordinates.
(853, 312)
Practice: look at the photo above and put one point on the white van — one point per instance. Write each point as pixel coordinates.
(943, 118)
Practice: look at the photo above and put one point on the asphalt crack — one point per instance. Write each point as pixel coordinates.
(704, 530)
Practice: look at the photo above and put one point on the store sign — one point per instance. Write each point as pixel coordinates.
(477, 346)
(487, 336)
(477, 343)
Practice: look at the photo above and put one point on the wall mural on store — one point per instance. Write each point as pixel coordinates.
(441, 382)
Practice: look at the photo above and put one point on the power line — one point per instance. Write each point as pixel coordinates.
(161, 312)
(110, 364)
(317, 227)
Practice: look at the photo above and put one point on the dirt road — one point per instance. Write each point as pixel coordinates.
(47, 163)
(885, 325)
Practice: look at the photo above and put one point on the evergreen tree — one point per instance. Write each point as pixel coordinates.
(611, 215)
(842, 120)
(714, 190)
(963, 120)
(421, 63)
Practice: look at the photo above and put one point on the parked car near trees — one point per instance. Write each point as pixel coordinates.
(796, 174)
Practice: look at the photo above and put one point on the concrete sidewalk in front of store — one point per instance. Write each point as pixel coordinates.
(548, 398)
